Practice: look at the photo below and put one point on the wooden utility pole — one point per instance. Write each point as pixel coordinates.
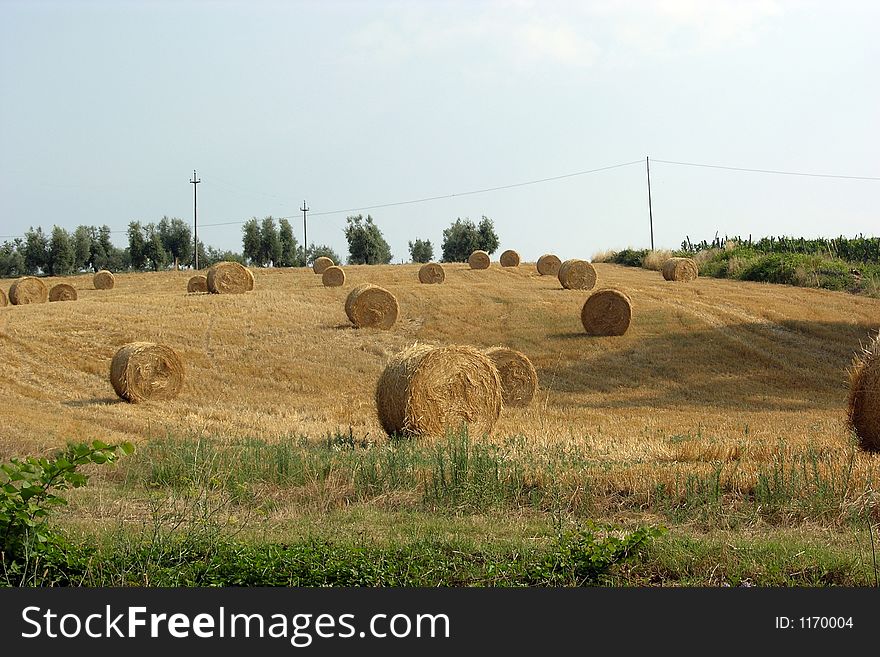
(305, 209)
(195, 181)
(650, 210)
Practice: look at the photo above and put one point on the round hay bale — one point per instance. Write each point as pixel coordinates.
(321, 264)
(197, 283)
(548, 265)
(510, 258)
(142, 371)
(333, 277)
(680, 269)
(250, 275)
(228, 278)
(432, 272)
(28, 289)
(3, 300)
(864, 397)
(519, 380)
(371, 306)
(577, 275)
(606, 312)
(427, 390)
(104, 280)
(479, 260)
(62, 292)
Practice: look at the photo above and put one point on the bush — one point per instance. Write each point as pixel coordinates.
(421, 251)
(463, 237)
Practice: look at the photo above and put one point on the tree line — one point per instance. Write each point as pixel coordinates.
(265, 243)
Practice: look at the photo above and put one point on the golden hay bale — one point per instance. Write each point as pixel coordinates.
(197, 283)
(519, 380)
(250, 279)
(321, 264)
(142, 371)
(577, 275)
(432, 272)
(62, 292)
(548, 265)
(479, 260)
(371, 306)
(606, 312)
(104, 280)
(228, 278)
(680, 269)
(28, 289)
(333, 277)
(864, 397)
(510, 258)
(427, 390)
(3, 300)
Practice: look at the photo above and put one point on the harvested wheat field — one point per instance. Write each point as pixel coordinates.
(711, 374)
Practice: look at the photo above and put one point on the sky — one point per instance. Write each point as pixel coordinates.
(106, 108)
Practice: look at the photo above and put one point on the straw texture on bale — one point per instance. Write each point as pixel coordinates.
(548, 265)
(479, 260)
(432, 272)
(510, 258)
(577, 275)
(3, 300)
(371, 306)
(62, 292)
(142, 371)
(250, 275)
(228, 278)
(519, 380)
(333, 277)
(864, 397)
(197, 283)
(680, 269)
(606, 312)
(104, 280)
(321, 264)
(426, 390)
(28, 289)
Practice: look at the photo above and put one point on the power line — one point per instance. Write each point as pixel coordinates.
(783, 173)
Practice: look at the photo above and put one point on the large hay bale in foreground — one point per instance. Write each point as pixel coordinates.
(198, 283)
(510, 258)
(104, 280)
(479, 260)
(371, 306)
(3, 300)
(864, 397)
(577, 275)
(427, 390)
(28, 289)
(431, 272)
(519, 380)
(250, 275)
(680, 269)
(143, 371)
(228, 278)
(333, 277)
(607, 312)
(62, 292)
(321, 263)
(548, 265)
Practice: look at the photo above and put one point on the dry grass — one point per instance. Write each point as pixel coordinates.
(603, 256)
(743, 368)
(654, 259)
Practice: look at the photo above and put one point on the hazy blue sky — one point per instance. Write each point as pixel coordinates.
(107, 107)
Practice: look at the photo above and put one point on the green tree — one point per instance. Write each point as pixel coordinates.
(36, 251)
(463, 237)
(82, 247)
(61, 253)
(12, 259)
(318, 250)
(251, 241)
(270, 243)
(209, 256)
(137, 246)
(104, 255)
(366, 245)
(153, 247)
(176, 239)
(421, 251)
(290, 255)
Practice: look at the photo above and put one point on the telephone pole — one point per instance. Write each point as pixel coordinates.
(305, 209)
(650, 210)
(195, 181)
